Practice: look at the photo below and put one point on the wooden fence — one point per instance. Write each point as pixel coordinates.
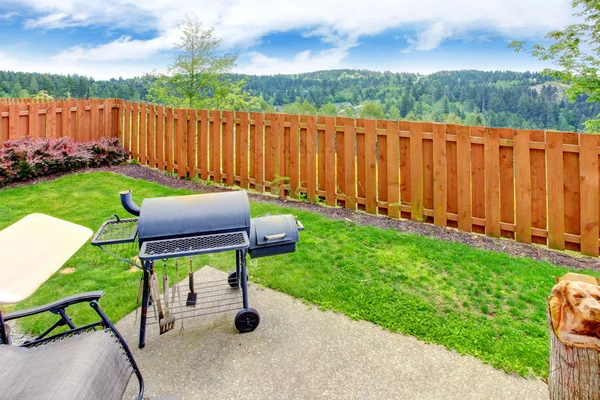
(534, 186)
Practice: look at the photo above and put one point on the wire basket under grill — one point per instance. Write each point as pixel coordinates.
(116, 231)
(190, 246)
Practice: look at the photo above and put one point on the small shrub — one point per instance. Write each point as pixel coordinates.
(28, 158)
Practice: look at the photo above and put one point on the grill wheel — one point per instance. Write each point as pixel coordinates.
(233, 281)
(247, 320)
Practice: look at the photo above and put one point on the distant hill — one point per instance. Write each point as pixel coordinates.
(498, 99)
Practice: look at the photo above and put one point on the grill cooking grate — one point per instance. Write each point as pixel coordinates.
(116, 231)
(189, 246)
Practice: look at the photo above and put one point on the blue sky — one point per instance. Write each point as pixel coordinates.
(111, 38)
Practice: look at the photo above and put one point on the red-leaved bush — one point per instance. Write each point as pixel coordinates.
(29, 158)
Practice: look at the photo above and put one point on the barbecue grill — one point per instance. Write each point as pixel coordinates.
(187, 226)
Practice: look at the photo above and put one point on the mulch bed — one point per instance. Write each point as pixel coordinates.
(507, 246)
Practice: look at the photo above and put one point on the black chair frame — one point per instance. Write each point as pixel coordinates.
(59, 308)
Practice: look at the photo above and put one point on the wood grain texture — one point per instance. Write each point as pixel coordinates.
(463, 180)
(556, 191)
(294, 156)
(416, 171)
(349, 163)
(371, 166)
(523, 186)
(241, 135)
(191, 141)
(393, 170)
(311, 157)
(478, 178)
(507, 182)
(492, 182)
(440, 189)
(330, 174)
(588, 147)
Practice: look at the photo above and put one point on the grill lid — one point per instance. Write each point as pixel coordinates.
(171, 217)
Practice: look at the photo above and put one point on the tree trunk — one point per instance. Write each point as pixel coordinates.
(574, 371)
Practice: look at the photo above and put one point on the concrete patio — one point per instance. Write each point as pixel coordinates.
(301, 352)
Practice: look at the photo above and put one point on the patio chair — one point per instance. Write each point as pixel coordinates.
(91, 361)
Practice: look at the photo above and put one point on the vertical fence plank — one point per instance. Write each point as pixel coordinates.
(135, 131)
(242, 154)
(572, 191)
(252, 154)
(452, 173)
(127, 126)
(203, 143)
(228, 147)
(13, 122)
(311, 157)
(4, 124)
(281, 163)
(382, 167)
(169, 139)
(538, 187)
(492, 182)
(268, 149)
(191, 143)
(478, 178)
(182, 166)
(371, 166)
(321, 167)
(144, 134)
(109, 120)
(463, 182)
(160, 137)
(523, 186)
(507, 182)
(34, 125)
(416, 170)
(151, 135)
(294, 156)
(556, 191)
(427, 169)
(259, 148)
(303, 153)
(393, 173)
(361, 182)
(83, 125)
(119, 118)
(95, 117)
(340, 162)
(350, 163)
(330, 161)
(51, 120)
(58, 105)
(405, 184)
(215, 145)
(588, 150)
(440, 195)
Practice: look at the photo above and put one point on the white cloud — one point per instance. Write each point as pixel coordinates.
(243, 23)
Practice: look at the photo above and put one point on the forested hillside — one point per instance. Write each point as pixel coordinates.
(508, 99)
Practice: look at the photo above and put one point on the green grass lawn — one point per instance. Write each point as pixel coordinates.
(486, 304)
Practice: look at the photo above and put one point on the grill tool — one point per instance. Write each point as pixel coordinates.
(168, 321)
(192, 296)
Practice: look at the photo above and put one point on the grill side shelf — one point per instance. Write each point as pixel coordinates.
(194, 245)
(116, 232)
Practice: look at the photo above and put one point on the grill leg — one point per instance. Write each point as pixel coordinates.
(145, 296)
(238, 264)
(3, 335)
(243, 279)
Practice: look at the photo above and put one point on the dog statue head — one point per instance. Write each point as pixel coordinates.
(575, 310)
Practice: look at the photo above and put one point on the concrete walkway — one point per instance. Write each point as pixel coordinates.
(300, 352)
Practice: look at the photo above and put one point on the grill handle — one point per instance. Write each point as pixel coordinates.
(299, 226)
(275, 237)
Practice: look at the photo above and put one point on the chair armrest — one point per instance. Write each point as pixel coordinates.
(57, 305)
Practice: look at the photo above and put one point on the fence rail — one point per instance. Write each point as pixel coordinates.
(533, 186)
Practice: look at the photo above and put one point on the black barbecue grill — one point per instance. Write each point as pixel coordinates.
(186, 226)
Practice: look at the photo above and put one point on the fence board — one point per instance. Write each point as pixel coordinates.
(135, 131)
(303, 160)
(427, 169)
(169, 123)
(83, 117)
(109, 120)
(416, 170)
(452, 174)
(34, 121)
(215, 145)
(371, 166)
(242, 154)
(144, 135)
(228, 147)
(280, 162)
(51, 121)
(160, 137)
(330, 161)
(572, 191)
(127, 127)
(556, 191)
(523, 186)
(382, 167)
(340, 163)
(259, 140)
(440, 195)
(191, 141)
(181, 142)
(478, 178)
(393, 172)
(294, 156)
(349, 164)
(361, 182)
(321, 164)
(151, 135)
(95, 118)
(492, 182)
(463, 179)
(311, 157)
(269, 148)
(405, 183)
(507, 183)
(4, 124)
(538, 186)
(588, 148)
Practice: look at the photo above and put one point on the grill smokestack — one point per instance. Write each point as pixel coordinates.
(128, 204)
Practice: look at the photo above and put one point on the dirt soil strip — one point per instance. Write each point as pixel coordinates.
(507, 246)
